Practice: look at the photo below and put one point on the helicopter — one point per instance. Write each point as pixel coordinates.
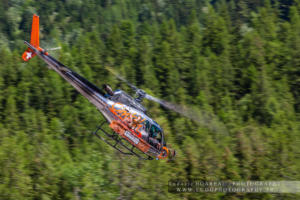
(133, 131)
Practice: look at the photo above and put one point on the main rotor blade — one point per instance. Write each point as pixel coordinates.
(121, 78)
(203, 118)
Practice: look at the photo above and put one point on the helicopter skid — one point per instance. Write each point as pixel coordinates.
(120, 143)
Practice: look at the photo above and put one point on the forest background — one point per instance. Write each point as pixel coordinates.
(237, 61)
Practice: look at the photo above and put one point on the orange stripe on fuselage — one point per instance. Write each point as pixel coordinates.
(122, 114)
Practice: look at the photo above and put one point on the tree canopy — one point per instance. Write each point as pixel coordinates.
(235, 63)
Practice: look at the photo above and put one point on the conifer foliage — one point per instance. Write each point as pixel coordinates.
(235, 60)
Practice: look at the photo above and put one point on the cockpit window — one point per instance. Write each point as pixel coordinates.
(154, 131)
(155, 136)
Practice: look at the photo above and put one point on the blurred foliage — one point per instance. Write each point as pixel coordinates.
(235, 59)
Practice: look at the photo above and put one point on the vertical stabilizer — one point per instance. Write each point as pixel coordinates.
(35, 40)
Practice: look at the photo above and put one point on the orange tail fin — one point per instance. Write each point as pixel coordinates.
(34, 41)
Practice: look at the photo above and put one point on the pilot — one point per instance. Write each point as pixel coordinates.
(152, 137)
(108, 90)
(117, 94)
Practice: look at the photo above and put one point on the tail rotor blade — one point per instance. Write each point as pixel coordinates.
(54, 49)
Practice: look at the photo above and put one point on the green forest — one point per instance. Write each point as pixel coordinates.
(235, 61)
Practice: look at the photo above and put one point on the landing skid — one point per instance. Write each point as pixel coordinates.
(120, 144)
